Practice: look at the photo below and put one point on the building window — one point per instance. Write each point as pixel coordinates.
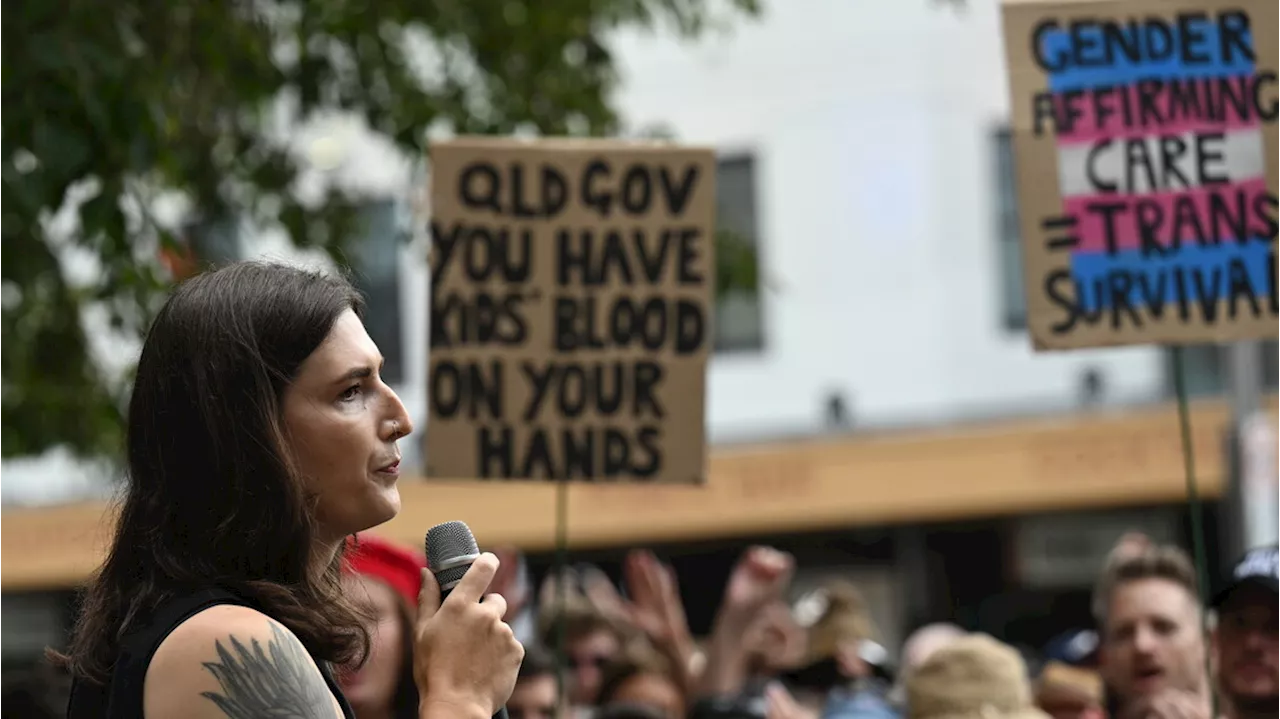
(1206, 371)
(1013, 297)
(374, 260)
(738, 320)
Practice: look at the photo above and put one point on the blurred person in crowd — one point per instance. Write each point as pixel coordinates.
(919, 646)
(537, 691)
(591, 642)
(726, 686)
(384, 579)
(971, 676)
(651, 614)
(1064, 691)
(845, 673)
(644, 679)
(1152, 641)
(1245, 640)
(607, 624)
(259, 436)
(1130, 545)
(926, 640)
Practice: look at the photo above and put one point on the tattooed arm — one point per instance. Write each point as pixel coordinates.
(231, 662)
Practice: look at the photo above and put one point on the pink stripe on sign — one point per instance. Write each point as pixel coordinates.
(1167, 109)
(1192, 212)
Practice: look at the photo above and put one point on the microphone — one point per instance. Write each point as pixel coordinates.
(451, 549)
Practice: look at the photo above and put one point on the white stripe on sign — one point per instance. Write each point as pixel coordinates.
(1175, 162)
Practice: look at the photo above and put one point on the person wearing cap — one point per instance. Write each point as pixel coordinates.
(1152, 647)
(973, 676)
(383, 579)
(1069, 685)
(1245, 638)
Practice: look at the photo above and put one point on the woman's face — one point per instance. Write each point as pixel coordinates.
(342, 423)
(374, 684)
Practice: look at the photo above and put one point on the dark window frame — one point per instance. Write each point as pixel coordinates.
(1007, 231)
(722, 345)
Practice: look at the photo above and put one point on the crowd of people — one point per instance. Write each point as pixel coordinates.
(594, 650)
(627, 652)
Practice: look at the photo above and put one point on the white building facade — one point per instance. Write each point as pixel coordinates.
(862, 149)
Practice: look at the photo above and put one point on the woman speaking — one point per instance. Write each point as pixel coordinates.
(260, 436)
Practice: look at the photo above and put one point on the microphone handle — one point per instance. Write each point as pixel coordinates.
(502, 711)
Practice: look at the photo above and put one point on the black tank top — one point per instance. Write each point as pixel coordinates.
(121, 697)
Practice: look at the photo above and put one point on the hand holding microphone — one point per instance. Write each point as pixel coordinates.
(465, 657)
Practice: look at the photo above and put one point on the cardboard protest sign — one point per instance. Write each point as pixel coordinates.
(571, 295)
(1145, 143)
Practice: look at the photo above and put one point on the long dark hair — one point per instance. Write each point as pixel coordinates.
(213, 497)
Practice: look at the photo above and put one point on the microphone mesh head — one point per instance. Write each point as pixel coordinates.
(447, 542)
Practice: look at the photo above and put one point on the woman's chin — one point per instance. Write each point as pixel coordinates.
(387, 503)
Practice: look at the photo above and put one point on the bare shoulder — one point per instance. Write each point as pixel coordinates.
(233, 662)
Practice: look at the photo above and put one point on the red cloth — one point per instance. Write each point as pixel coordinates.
(392, 563)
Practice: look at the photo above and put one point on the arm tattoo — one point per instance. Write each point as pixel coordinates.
(273, 682)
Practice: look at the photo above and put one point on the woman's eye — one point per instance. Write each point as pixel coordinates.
(350, 393)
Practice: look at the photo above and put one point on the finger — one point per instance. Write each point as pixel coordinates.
(634, 574)
(558, 587)
(640, 580)
(547, 593)
(599, 589)
(670, 583)
(654, 575)
(496, 602)
(778, 560)
(428, 596)
(475, 582)
(781, 564)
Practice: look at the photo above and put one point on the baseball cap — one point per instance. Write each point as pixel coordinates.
(1260, 567)
(1077, 647)
(396, 565)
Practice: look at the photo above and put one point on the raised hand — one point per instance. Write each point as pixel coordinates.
(758, 579)
(761, 576)
(655, 606)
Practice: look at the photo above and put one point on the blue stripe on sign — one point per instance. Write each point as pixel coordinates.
(1121, 70)
(1152, 280)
